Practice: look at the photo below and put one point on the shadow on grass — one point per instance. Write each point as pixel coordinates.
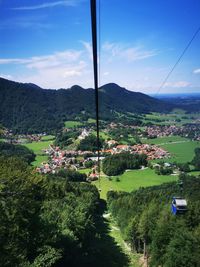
(104, 251)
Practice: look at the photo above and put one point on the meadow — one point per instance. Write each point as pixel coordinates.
(72, 124)
(164, 140)
(178, 117)
(180, 148)
(132, 180)
(38, 147)
(181, 152)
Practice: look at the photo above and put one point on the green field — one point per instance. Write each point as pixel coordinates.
(48, 137)
(91, 120)
(177, 117)
(181, 152)
(37, 148)
(86, 171)
(163, 140)
(180, 148)
(132, 180)
(72, 124)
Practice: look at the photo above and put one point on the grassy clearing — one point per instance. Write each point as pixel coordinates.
(47, 138)
(39, 159)
(181, 152)
(132, 180)
(104, 135)
(194, 173)
(72, 124)
(177, 117)
(163, 140)
(37, 148)
(180, 148)
(86, 171)
(91, 120)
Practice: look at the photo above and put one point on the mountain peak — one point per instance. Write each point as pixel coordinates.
(76, 87)
(111, 86)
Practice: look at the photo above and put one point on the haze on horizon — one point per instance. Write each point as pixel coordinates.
(49, 43)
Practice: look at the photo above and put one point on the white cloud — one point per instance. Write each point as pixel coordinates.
(106, 73)
(6, 76)
(88, 48)
(41, 62)
(36, 22)
(197, 71)
(128, 53)
(48, 5)
(179, 84)
(56, 70)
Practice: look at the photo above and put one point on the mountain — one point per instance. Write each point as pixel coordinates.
(25, 107)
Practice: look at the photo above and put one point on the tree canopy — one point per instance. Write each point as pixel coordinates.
(10, 150)
(147, 223)
(116, 164)
(44, 221)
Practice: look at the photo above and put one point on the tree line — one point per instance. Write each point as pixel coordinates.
(116, 164)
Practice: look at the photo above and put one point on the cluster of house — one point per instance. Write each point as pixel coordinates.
(68, 158)
(84, 134)
(21, 138)
(152, 151)
(64, 159)
(159, 131)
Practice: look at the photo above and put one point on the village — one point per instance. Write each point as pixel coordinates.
(77, 159)
(70, 157)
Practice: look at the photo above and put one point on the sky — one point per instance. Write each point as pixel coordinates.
(48, 42)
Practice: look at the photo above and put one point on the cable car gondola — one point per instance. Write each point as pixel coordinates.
(179, 205)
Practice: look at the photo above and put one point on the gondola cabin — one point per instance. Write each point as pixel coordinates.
(179, 205)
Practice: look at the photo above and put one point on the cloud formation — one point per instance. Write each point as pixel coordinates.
(128, 53)
(197, 71)
(179, 84)
(59, 69)
(48, 5)
(41, 62)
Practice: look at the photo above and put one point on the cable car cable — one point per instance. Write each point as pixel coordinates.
(178, 60)
(95, 67)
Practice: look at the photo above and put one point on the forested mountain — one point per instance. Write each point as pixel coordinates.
(25, 107)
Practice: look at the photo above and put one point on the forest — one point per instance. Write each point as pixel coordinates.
(45, 221)
(116, 164)
(147, 224)
(9, 150)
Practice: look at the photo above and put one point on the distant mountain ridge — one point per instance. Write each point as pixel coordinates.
(26, 107)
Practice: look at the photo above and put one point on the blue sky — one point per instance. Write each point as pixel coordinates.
(48, 42)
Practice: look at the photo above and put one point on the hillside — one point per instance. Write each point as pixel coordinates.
(149, 227)
(25, 107)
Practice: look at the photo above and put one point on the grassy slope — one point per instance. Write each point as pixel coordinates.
(162, 140)
(132, 180)
(72, 124)
(116, 234)
(37, 148)
(182, 152)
